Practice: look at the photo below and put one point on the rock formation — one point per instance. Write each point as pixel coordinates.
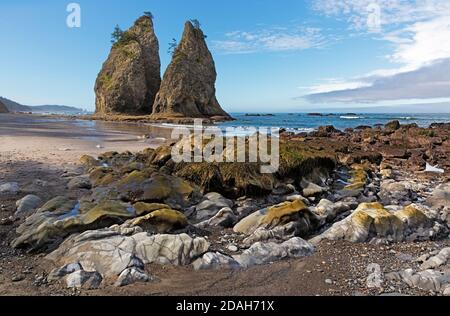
(188, 87)
(131, 76)
(3, 108)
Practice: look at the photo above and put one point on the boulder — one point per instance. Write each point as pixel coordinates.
(84, 280)
(392, 126)
(89, 162)
(277, 215)
(225, 218)
(159, 221)
(188, 86)
(80, 182)
(9, 188)
(264, 253)
(131, 276)
(210, 205)
(311, 189)
(130, 77)
(111, 253)
(169, 249)
(440, 197)
(372, 220)
(394, 192)
(215, 261)
(27, 205)
(61, 217)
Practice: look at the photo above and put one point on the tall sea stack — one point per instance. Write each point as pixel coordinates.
(188, 86)
(3, 108)
(131, 76)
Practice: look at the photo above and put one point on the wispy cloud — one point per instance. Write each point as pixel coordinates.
(273, 39)
(419, 32)
(428, 82)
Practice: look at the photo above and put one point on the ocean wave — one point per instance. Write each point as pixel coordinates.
(351, 117)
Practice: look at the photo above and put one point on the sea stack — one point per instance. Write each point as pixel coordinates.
(131, 76)
(188, 86)
(3, 108)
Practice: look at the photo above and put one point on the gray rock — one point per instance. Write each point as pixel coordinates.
(131, 276)
(210, 205)
(279, 233)
(110, 253)
(80, 182)
(215, 261)
(283, 189)
(224, 218)
(438, 260)
(440, 198)
(329, 210)
(233, 248)
(27, 205)
(169, 249)
(58, 273)
(9, 188)
(263, 253)
(311, 189)
(83, 279)
(392, 191)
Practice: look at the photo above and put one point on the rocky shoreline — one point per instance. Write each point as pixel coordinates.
(119, 217)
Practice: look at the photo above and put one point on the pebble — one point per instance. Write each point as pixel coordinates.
(232, 248)
(18, 278)
(328, 281)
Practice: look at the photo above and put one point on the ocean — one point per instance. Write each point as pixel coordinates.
(303, 122)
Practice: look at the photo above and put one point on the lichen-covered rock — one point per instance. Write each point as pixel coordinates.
(61, 217)
(130, 77)
(142, 208)
(89, 162)
(188, 86)
(372, 220)
(358, 178)
(156, 188)
(160, 221)
(277, 215)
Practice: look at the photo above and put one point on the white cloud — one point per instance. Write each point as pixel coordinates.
(420, 34)
(274, 39)
(429, 82)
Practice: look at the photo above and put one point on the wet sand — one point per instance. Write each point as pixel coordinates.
(64, 141)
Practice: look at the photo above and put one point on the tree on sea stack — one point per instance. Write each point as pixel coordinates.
(188, 86)
(131, 76)
(117, 35)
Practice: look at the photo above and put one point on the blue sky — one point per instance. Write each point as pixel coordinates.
(271, 55)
